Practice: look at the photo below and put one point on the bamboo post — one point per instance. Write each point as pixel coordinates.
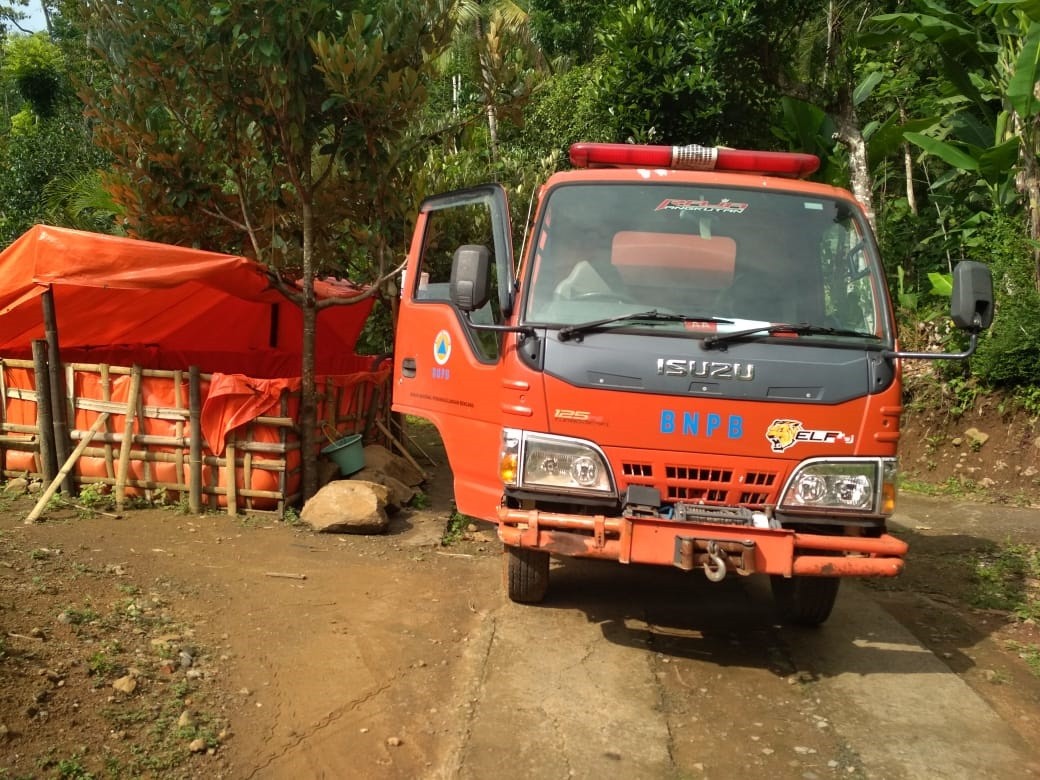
(146, 464)
(56, 377)
(283, 439)
(128, 436)
(195, 441)
(52, 488)
(232, 478)
(3, 418)
(178, 427)
(401, 448)
(48, 457)
(106, 395)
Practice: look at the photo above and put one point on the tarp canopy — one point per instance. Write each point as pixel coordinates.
(121, 300)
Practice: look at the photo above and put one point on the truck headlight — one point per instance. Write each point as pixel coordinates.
(541, 461)
(862, 485)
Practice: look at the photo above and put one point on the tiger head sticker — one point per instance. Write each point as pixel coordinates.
(783, 434)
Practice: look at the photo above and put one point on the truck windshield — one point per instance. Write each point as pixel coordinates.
(725, 259)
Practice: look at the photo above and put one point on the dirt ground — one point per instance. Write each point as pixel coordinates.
(166, 645)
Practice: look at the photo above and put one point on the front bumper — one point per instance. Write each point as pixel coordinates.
(687, 545)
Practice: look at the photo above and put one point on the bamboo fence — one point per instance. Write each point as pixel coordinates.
(157, 450)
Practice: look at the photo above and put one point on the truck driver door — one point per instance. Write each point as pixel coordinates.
(445, 370)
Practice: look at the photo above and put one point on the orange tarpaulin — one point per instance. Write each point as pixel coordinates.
(123, 302)
(155, 300)
(234, 400)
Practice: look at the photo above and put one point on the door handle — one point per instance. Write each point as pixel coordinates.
(408, 367)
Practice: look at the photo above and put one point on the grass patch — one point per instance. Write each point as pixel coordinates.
(1008, 579)
(455, 529)
(953, 486)
(1028, 653)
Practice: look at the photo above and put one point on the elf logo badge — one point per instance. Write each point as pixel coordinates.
(442, 347)
(783, 434)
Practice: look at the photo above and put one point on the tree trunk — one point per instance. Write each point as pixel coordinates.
(908, 167)
(487, 88)
(308, 394)
(844, 112)
(862, 182)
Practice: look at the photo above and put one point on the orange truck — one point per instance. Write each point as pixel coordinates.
(691, 361)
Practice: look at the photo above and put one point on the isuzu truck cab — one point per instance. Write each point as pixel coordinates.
(691, 361)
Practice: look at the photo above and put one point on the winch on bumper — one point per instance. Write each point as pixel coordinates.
(717, 540)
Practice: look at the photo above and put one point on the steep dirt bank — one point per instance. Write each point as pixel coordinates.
(990, 452)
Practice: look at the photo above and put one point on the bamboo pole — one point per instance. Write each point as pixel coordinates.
(283, 435)
(106, 395)
(215, 492)
(195, 441)
(169, 457)
(128, 434)
(3, 418)
(178, 427)
(232, 478)
(56, 377)
(44, 423)
(52, 488)
(401, 448)
(146, 466)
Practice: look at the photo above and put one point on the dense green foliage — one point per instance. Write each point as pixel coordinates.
(926, 108)
(1010, 352)
(43, 138)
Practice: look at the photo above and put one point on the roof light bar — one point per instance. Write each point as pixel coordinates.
(694, 158)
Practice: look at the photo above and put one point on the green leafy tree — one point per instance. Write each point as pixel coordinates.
(563, 28)
(490, 65)
(678, 72)
(12, 15)
(36, 67)
(266, 128)
(989, 53)
(43, 136)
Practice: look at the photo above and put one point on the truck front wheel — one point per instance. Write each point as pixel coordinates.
(526, 574)
(805, 601)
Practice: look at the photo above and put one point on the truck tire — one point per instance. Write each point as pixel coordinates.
(804, 601)
(527, 574)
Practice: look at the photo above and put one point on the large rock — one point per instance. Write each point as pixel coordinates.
(400, 493)
(976, 437)
(348, 506)
(380, 458)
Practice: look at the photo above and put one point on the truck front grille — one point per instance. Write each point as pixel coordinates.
(702, 483)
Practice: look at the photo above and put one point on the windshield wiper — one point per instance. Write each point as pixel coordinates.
(801, 329)
(572, 331)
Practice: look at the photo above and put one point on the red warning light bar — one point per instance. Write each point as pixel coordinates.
(694, 158)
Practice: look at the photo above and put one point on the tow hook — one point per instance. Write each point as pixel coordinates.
(715, 566)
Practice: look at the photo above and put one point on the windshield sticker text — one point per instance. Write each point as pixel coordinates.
(783, 434)
(695, 424)
(724, 206)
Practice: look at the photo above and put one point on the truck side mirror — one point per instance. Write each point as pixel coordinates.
(971, 305)
(470, 277)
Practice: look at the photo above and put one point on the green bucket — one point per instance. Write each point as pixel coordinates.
(347, 453)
